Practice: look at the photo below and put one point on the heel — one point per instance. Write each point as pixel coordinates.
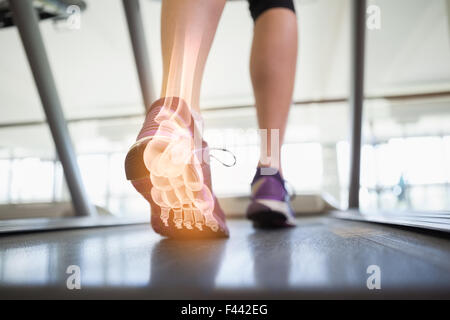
(135, 168)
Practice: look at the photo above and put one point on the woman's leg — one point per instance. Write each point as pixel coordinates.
(187, 31)
(166, 164)
(272, 68)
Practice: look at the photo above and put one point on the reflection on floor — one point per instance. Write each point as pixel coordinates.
(321, 258)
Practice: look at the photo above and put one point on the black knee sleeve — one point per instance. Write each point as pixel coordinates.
(257, 7)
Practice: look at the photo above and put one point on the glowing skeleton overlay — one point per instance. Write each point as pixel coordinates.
(176, 175)
(175, 170)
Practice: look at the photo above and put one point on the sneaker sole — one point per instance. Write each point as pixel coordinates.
(270, 214)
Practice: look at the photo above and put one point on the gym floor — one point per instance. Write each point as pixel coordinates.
(323, 257)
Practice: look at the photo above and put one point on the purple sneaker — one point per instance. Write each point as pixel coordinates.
(270, 207)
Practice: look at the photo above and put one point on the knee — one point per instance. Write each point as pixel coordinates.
(258, 7)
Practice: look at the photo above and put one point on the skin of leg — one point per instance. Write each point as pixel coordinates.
(187, 31)
(272, 68)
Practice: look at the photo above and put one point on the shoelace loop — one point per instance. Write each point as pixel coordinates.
(220, 161)
(216, 158)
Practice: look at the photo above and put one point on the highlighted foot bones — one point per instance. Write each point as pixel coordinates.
(177, 178)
